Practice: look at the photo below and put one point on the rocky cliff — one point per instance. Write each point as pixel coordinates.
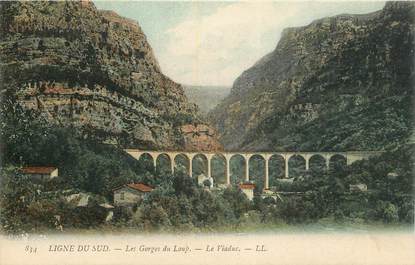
(340, 83)
(200, 137)
(91, 69)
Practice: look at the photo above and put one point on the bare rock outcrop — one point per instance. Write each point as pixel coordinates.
(79, 66)
(200, 138)
(339, 83)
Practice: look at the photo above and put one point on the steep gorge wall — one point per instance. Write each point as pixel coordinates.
(91, 69)
(340, 83)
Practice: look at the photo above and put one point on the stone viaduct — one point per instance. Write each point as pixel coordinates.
(350, 157)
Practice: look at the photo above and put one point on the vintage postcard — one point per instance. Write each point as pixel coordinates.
(207, 132)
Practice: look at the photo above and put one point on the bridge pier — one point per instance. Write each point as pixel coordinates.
(246, 170)
(266, 185)
(172, 163)
(307, 162)
(327, 158)
(209, 168)
(228, 170)
(286, 158)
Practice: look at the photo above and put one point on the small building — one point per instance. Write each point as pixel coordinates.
(109, 209)
(248, 189)
(392, 175)
(202, 178)
(223, 186)
(285, 180)
(79, 199)
(361, 187)
(40, 173)
(267, 192)
(130, 194)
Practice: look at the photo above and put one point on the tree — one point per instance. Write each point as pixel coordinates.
(17, 192)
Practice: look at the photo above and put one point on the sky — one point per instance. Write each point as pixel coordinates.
(212, 43)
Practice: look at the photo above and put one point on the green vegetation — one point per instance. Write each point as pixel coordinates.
(389, 198)
(177, 203)
(87, 166)
(83, 162)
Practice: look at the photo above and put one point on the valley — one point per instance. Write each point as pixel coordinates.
(206, 97)
(95, 136)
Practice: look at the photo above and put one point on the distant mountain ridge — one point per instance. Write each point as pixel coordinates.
(340, 83)
(206, 97)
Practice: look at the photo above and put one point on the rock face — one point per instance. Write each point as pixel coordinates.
(91, 69)
(340, 83)
(200, 137)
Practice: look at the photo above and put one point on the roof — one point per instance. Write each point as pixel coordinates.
(106, 205)
(38, 170)
(140, 187)
(247, 186)
(137, 186)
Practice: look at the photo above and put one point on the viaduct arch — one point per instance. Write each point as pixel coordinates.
(350, 157)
